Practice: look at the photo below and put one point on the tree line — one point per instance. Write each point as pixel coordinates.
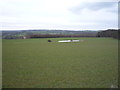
(109, 33)
(57, 36)
(106, 33)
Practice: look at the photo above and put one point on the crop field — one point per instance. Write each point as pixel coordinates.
(37, 63)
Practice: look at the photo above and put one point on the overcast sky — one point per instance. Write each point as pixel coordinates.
(58, 14)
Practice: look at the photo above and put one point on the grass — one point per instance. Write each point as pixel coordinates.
(0, 63)
(36, 63)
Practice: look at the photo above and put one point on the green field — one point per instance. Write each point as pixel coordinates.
(36, 63)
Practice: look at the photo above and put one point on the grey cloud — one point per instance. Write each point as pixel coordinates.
(100, 5)
(95, 6)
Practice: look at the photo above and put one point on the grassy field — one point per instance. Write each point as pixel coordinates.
(0, 63)
(36, 63)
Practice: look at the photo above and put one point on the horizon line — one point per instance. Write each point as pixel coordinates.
(57, 29)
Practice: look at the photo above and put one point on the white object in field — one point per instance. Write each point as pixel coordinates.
(24, 37)
(69, 41)
(75, 40)
(65, 41)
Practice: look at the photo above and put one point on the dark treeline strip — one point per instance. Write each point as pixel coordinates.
(57, 36)
(13, 37)
(109, 33)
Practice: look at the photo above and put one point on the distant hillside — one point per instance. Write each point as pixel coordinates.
(28, 33)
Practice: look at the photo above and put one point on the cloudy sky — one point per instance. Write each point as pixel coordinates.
(58, 14)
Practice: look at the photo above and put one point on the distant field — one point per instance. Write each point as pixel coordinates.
(36, 63)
